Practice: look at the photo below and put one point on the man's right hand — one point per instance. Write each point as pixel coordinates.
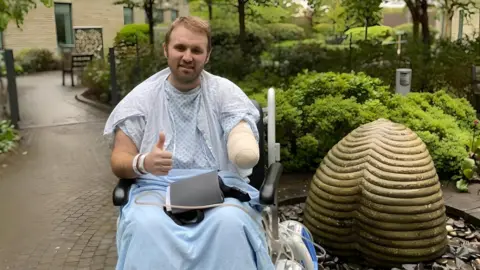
(158, 161)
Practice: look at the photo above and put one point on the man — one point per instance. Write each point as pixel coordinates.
(179, 122)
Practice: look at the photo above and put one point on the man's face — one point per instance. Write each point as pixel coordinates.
(187, 54)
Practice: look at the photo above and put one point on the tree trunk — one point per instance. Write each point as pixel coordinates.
(447, 30)
(366, 28)
(425, 24)
(415, 13)
(416, 30)
(241, 23)
(149, 13)
(210, 9)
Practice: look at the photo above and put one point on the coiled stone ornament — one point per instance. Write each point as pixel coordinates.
(377, 195)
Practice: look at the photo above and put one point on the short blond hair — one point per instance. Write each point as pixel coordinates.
(194, 24)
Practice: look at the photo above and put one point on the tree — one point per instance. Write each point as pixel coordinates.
(319, 8)
(17, 10)
(148, 6)
(419, 12)
(364, 12)
(241, 5)
(448, 7)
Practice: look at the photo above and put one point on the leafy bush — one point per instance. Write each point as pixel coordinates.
(130, 34)
(446, 137)
(227, 58)
(8, 136)
(406, 27)
(293, 57)
(18, 69)
(285, 31)
(309, 86)
(36, 60)
(325, 29)
(133, 67)
(374, 33)
(96, 77)
(318, 109)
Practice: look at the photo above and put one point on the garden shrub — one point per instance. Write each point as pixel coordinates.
(375, 33)
(96, 78)
(325, 29)
(295, 57)
(134, 68)
(130, 34)
(285, 31)
(319, 109)
(8, 136)
(18, 69)
(309, 86)
(36, 60)
(259, 80)
(407, 28)
(227, 58)
(438, 126)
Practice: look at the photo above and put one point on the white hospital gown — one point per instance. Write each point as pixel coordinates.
(227, 238)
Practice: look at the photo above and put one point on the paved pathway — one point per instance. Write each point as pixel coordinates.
(55, 192)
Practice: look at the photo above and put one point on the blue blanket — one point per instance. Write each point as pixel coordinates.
(227, 238)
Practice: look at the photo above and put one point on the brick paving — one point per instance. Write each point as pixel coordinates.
(55, 200)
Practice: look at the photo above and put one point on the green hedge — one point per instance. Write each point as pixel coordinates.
(375, 33)
(319, 109)
(285, 31)
(227, 59)
(130, 34)
(325, 29)
(36, 60)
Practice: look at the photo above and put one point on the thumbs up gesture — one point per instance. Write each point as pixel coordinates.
(159, 161)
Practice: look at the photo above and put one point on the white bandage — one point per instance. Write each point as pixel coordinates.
(242, 146)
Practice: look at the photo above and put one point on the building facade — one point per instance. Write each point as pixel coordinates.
(464, 25)
(50, 28)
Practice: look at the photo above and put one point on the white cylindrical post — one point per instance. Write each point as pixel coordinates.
(271, 126)
(403, 80)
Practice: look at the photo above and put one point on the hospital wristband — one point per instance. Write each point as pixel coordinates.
(141, 164)
(134, 165)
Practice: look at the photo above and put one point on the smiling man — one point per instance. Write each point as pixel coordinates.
(180, 122)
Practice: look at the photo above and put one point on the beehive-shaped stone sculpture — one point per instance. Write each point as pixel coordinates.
(377, 195)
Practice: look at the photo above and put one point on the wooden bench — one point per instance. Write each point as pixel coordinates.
(72, 62)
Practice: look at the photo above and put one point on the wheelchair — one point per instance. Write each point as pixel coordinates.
(265, 178)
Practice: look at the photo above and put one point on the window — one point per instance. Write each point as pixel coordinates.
(174, 14)
(157, 16)
(127, 15)
(63, 22)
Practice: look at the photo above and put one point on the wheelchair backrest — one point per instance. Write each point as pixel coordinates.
(258, 174)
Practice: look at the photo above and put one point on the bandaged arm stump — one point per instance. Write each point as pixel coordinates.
(243, 150)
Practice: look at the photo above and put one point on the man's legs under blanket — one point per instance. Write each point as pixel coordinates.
(227, 238)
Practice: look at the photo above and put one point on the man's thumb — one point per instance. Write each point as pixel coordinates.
(161, 140)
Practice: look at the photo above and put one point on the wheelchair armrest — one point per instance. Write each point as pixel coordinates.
(268, 191)
(121, 191)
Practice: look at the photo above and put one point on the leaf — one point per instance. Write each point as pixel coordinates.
(468, 173)
(468, 163)
(462, 185)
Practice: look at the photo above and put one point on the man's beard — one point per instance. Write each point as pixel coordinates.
(191, 77)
